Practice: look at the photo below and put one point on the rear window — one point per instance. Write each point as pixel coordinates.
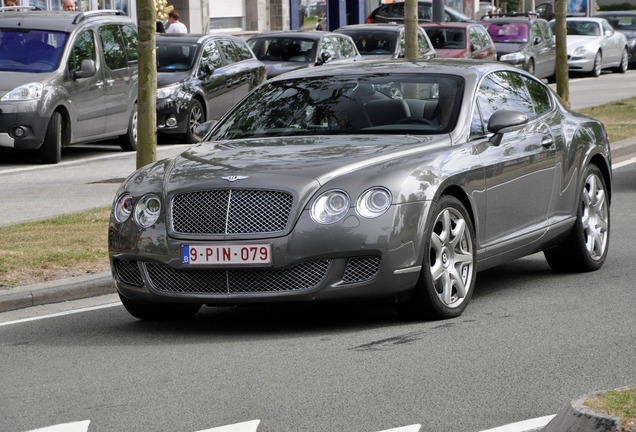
(508, 32)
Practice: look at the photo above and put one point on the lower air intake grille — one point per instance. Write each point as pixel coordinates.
(360, 269)
(128, 272)
(209, 281)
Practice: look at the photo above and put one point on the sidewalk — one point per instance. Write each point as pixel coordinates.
(100, 284)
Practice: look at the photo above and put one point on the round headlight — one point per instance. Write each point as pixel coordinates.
(374, 202)
(330, 207)
(147, 210)
(123, 208)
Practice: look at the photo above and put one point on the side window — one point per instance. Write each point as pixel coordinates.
(83, 49)
(210, 56)
(233, 52)
(476, 124)
(505, 90)
(130, 37)
(345, 48)
(326, 45)
(243, 51)
(535, 32)
(483, 35)
(113, 45)
(540, 96)
(422, 43)
(474, 39)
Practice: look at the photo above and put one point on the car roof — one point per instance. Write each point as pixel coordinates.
(192, 38)
(512, 19)
(612, 13)
(294, 34)
(373, 26)
(592, 19)
(449, 24)
(467, 68)
(63, 21)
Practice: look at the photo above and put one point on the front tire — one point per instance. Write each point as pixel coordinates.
(585, 249)
(447, 279)
(128, 142)
(598, 65)
(51, 150)
(159, 311)
(624, 65)
(195, 118)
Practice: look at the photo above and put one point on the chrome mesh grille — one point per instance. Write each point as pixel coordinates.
(360, 269)
(231, 211)
(128, 272)
(303, 276)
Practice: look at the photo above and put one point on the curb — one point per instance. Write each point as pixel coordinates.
(623, 149)
(576, 417)
(56, 291)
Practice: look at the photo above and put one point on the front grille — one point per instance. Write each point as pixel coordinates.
(128, 272)
(361, 269)
(231, 211)
(300, 277)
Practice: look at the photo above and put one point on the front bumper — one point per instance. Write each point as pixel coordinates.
(172, 115)
(580, 64)
(358, 259)
(21, 125)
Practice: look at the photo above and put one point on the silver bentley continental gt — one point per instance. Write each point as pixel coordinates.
(393, 180)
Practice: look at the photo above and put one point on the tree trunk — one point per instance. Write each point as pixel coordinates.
(147, 94)
(410, 29)
(562, 76)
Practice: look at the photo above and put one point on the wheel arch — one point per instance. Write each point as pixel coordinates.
(606, 171)
(459, 193)
(66, 124)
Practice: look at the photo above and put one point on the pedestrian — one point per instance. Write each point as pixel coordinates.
(69, 5)
(175, 25)
(159, 28)
(9, 3)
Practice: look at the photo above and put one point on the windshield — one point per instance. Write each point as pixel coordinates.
(374, 42)
(175, 56)
(422, 104)
(30, 50)
(583, 28)
(284, 49)
(508, 32)
(622, 22)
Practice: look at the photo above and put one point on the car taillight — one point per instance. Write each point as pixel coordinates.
(370, 20)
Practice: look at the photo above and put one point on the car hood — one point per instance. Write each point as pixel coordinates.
(11, 79)
(277, 68)
(298, 162)
(508, 48)
(166, 78)
(577, 41)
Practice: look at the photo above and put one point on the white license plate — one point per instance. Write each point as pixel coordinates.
(226, 254)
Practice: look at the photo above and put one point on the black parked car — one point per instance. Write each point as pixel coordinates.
(394, 13)
(526, 42)
(290, 50)
(199, 78)
(624, 22)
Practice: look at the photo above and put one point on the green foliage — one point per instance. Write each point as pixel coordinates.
(617, 7)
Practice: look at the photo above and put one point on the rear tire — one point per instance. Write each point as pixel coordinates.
(622, 68)
(51, 150)
(585, 249)
(447, 279)
(128, 142)
(159, 311)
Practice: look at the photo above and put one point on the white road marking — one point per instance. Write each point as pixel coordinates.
(249, 426)
(81, 426)
(624, 163)
(410, 428)
(58, 314)
(524, 426)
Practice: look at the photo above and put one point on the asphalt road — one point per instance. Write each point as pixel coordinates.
(529, 342)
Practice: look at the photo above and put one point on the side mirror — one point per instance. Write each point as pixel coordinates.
(208, 69)
(537, 41)
(503, 121)
(203, 130)
(87, 69)
(324, 58)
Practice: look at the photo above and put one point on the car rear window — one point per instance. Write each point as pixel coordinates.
(508, 32)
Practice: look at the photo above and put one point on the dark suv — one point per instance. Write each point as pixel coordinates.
(67, 78)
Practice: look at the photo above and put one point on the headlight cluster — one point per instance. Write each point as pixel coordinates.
(146, 211)
(31, 91)
(168, 91)
(580, 51)
(332, 206)
(514, 57)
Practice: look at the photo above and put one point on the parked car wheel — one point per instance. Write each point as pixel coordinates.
(195, 118)
(51, 150)
(622, 68)
(128, 142)
(159, 311)
(586, 247)
(448, 273)
(598, 65)
(530, 67)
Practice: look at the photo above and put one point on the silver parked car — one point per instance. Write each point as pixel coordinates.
(594, 45)
(320, 186)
